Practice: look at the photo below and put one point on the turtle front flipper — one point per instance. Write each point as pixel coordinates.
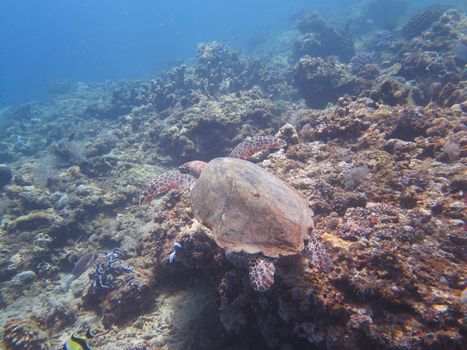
(255, 144)
(164, 183)
(262, 274)
(318, 256)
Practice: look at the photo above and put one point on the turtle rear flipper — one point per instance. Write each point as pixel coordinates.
(164, 183)
(318, 256)
(255, 144)
(262, 274)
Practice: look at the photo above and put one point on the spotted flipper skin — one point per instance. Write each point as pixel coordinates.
(262, 274)
(255, 144)
(318, 256)
(164, 183)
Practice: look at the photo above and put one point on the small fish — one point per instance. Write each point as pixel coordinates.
(79, 342)
(81, 266)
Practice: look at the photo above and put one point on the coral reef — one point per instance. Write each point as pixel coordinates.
(420, 22)
(321, 39)
(126, 302)
(220, 70)
(360, 61)
(5, 175)
(380, 159)
(380, 234)
(323, 80)
(429, 61)
(117, 290)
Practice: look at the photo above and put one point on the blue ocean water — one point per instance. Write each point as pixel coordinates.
(41, 41)
(116, 39)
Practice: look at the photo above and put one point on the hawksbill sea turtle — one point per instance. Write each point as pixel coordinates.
(253, 215)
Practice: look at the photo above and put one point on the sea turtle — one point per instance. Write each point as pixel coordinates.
(253, 215)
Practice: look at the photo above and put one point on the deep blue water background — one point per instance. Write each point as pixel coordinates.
(96, 40)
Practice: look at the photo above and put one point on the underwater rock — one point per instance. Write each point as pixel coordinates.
(60, 316)
(23, 280)
(103, 144)
(324, 127)
(222, 70)
(408, 125)
(6, 174)
(97, 166)
(396, 91)
(420, 22)
(232, 315)
(321, 39)
(127, 301)
(29, 197)
(359, 61)
(67, 153)
(188, 134)
(24, 334)
(59, 200)
(120, 100)
(32, 221)
(430, 66)
(288, 133)
(323, 80)
(450, 94)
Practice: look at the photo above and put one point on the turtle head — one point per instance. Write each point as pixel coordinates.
(194, 168)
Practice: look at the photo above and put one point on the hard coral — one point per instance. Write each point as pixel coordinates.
(322, 39)
(323, 80)
(420, 22)
(359, 61)
(223, 69)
